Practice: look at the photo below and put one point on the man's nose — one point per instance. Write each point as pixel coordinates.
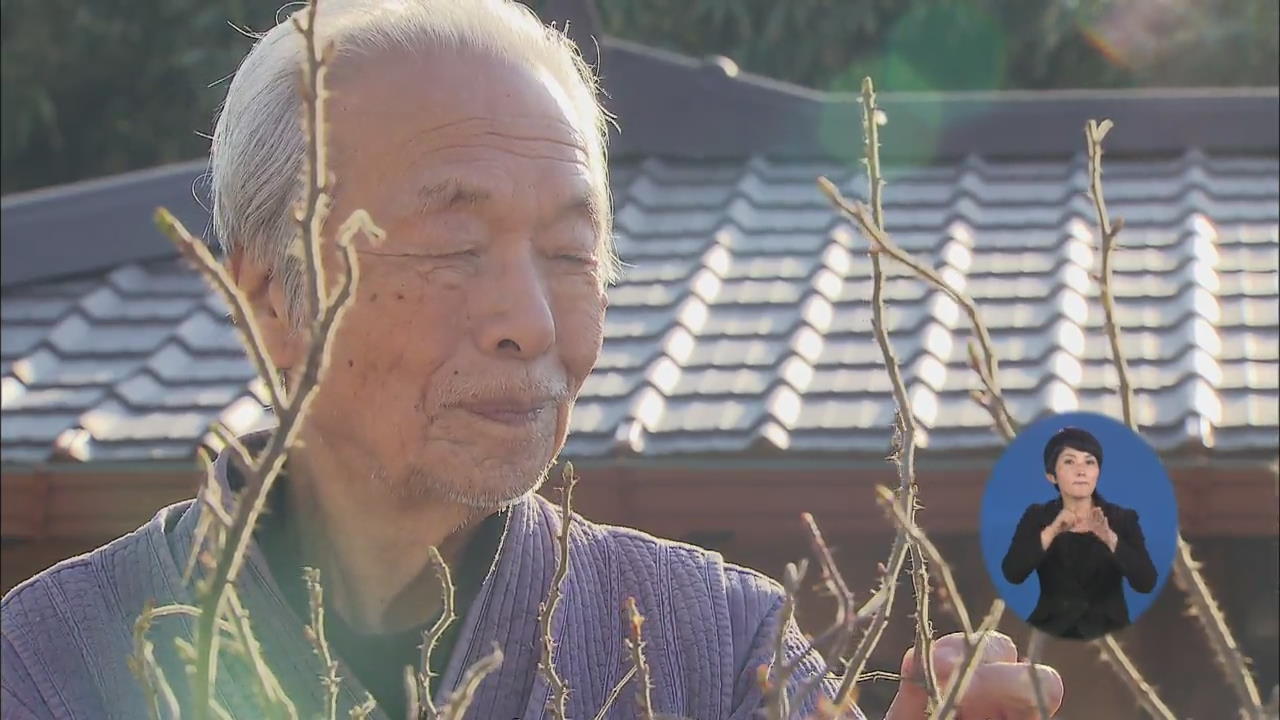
(515, 318)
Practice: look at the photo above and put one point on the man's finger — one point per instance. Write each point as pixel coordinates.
(949, 651)
(997, 690)
(1004, 690)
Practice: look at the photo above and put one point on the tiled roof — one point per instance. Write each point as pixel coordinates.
(742, 324)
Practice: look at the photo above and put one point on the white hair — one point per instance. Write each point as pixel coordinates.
(258, 143)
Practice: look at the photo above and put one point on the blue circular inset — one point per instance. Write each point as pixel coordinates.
(1131, 476)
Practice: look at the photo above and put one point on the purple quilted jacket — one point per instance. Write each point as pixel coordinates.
(68, 631)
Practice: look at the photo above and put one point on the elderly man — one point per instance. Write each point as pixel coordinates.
(472, 134)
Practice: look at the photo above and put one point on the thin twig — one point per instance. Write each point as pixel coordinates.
(886, 499)
(460, 700)
(842, 629)
(1126, 671)
(1226, 651)
(779, 676)
(558, 702)
(905, 449)
(364, 709)
(615, 693)
(326, 316)
(988, 369)
(634, 643)
(831, 576)
(278, 702)
(963, 673)
(311, 219)
(1035, 644)
(862, 652)
(142, 663)
(431, 636)
(1094, 132)
(835, 632)
(320, 641)
(216, 273)
(211, 511)
(904, 438)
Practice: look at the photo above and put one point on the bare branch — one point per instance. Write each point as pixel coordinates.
(885, 497)
(1094, 132)
(904, 438)
(831, 577)
(842, 629)
(779, 675)
(1034, 646)
(1146, 695)
(1186, 574)
(614, 693)
(885, 593)
(211, 511)
(311, 218)
(142, 663)
(431, 637)
(558, 702)
(963, 673)
(198, 253)
(461, 698)
(240, 455)
(326, 316)
(364, 709)
(988, 370)
(1226, 652)
(635, 645)
(278, 704)
(319, 640)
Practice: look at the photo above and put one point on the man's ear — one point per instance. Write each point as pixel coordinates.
(267, 301)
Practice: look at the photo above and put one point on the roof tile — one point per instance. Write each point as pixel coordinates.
(743, 321)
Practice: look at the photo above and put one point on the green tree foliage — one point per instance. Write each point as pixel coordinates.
(94, 88)
(969, 44)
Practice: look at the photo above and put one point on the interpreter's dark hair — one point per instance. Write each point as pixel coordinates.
(1074, 438)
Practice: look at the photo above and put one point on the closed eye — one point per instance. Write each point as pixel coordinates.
(579, 259)
(459, 255)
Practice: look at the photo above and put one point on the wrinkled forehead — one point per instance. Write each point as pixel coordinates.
(409, 113)
(447, 93)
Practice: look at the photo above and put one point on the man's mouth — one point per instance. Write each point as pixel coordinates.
(510, 413)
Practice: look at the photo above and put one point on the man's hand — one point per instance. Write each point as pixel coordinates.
(1098, 525)
(999, 690)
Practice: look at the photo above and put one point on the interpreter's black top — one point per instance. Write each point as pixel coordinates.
(377, 660)
(1081, 588)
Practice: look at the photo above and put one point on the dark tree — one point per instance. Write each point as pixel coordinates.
(94, 88)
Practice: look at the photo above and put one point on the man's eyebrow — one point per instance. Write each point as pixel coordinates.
(586, 204)
(453, 193)
(449, 195)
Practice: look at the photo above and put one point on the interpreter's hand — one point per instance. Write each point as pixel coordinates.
(1000, 689)
(1066, 520)
(1098, 525)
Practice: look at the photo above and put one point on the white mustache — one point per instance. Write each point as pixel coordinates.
(551, 386)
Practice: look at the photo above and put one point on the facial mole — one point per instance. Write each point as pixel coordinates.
(373, 297)
(399, 296)
(351, 363)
